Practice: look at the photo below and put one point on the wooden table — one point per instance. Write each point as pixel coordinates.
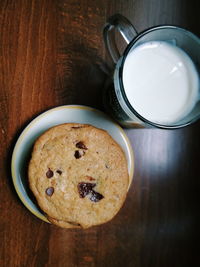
(52, 53)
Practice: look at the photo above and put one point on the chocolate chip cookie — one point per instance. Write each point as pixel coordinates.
(78, 175)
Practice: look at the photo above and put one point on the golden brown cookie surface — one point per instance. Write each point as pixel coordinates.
(78, 175)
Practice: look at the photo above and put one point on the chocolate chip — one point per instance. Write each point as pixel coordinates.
(49, 191)
(59, 172)
(85, 188)
(78, 154)
(81, 145)
(49, 173)
(95, 196)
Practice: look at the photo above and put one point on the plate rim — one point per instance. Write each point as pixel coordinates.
(35, 120)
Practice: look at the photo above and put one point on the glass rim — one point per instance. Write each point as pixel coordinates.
(128, 48)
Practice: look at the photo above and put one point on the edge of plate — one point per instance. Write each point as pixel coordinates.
(23, 133)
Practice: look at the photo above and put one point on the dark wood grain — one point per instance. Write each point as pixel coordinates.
(52, 53)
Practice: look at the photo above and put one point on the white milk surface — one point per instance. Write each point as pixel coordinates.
(160, 82)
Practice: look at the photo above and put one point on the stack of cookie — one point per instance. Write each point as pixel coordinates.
(78, 175)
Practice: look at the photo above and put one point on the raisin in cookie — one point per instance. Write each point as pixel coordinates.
(78, 175)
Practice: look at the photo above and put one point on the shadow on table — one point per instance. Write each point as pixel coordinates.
(24, 168)
(82, 74)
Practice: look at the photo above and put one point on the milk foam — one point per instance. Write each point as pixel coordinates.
(160, 81)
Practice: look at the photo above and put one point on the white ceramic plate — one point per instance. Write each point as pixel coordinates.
(50, 118)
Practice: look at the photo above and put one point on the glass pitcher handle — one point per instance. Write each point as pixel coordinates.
(124, 27)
